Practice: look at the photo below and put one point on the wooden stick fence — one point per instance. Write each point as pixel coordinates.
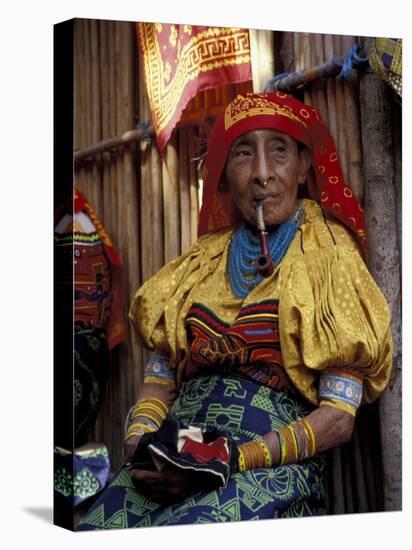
(112, 144)
(104, 107)
(140, 198)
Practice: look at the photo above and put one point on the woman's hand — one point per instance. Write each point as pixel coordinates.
(166, 487)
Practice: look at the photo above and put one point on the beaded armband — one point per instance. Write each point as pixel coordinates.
(158, 371)
(340, 389)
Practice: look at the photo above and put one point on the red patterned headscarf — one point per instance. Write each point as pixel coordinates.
(282, 112)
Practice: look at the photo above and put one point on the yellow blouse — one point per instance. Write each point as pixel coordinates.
(331, 312)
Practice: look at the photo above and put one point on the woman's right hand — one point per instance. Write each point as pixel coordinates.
(169, 486)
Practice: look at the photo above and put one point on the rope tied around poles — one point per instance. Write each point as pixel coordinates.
(339, 67)
(147, 135)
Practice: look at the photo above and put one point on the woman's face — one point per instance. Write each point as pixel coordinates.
(268, 156)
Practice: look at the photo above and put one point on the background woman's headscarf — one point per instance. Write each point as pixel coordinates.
(282, 112)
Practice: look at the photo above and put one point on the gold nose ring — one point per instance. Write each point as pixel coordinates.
(265, 183)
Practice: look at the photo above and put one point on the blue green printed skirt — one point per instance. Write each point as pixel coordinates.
(242, 410)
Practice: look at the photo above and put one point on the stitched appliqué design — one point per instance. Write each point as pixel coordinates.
(249, 346)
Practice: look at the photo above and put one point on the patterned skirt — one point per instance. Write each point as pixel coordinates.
(241, 409)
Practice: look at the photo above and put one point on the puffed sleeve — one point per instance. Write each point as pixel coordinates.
(159, 308)
(156, 306)
(334, 320)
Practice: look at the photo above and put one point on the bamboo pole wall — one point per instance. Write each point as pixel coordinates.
(263, 60)
(148, 205)
(336, 99)
(105, 82)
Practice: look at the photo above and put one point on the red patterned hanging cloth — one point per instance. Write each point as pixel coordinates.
(181, 60)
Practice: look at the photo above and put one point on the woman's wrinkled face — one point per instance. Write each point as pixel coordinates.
(268, 156)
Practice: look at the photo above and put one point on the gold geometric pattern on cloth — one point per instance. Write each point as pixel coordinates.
(244, 106)
(385, 58)
(213, 48)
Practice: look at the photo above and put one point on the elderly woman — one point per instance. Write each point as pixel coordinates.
(256, 371)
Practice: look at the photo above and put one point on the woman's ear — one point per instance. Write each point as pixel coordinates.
(305, 161)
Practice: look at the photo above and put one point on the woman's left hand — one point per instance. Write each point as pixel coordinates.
(166, 487)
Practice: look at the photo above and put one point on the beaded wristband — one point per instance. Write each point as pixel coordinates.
(296, 435)
(151, 403)
(289, 452)
(241, 461)
(139, 428)
(254, 454)
(282, 446)
(266, 452)
(295, 443)
(152, 408)
(310, 436)
(301, 439)
(249, 454)
(151, 400)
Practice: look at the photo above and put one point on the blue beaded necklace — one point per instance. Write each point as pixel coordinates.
(245, 248)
